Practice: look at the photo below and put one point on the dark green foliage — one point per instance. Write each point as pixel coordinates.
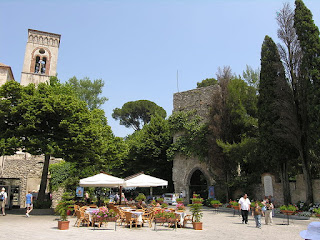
(88, 91)
(277, 120)
(137, 113)
(147, 151)
(207, 82)
(192, 135)
(59, 172)
(64, 205)
(238, 140)
(242, 108)
(308, 90)
(45, 204)
(53, 121)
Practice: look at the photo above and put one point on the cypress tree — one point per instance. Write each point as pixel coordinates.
(308, 89)
(276, 115)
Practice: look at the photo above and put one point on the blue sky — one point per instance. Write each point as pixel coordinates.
(136, 47)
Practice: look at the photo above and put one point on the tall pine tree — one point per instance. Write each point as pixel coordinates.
(308, 89)
(276, 115)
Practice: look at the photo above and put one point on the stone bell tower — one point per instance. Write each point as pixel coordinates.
(41, 56)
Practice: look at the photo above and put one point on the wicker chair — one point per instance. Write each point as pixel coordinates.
(75, 208)
(130, 219)
(82, 218)
(187, 218)
(148, 217)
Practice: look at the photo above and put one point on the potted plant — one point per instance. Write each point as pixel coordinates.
(196, 211)
(196, 198)
(170, 217)
(164, 205)
(179, 200)
(235, 205)
(159, 216)
(288, 210)
(141, 197)
(215, 203)
(317, 212)
(62, 208)
(181, 207)
(160, 200)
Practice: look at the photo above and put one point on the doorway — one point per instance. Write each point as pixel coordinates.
(198, 184)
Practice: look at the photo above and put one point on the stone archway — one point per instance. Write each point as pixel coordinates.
(198, 183)
(183, 171)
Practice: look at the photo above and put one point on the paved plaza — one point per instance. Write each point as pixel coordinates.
(222, 225)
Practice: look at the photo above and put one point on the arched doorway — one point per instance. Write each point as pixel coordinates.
(198, 184)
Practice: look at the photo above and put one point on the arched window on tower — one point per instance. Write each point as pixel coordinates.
(43, 65)
(37, 65)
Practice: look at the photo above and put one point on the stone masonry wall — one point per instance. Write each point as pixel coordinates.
(25, 167)
(200, 100)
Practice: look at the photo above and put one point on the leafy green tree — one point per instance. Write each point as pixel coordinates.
(147, 150)
(191, 135)
(88, 91)
(11, 95)
(308, 89)
(52, 121)
(137, 113)
(239, 135)
(251, 76)
(277, 119)
(207, 82)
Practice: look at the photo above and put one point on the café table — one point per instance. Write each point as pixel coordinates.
(90, 212)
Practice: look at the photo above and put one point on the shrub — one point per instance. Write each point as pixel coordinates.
(42, 204)
(164, 205)
(215, 202)
(180, 206)
(316, 210)
(141, 197)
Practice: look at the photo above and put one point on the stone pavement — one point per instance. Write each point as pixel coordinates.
(222, 225)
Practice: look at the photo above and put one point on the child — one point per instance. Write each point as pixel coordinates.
(29, 203)
(257, 215)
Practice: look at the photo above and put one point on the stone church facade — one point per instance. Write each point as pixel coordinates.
(21, 172)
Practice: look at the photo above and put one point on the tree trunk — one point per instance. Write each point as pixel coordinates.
(285, 183)
(44, 178)
(307, 176)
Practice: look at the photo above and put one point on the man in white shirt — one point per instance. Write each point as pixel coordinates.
(244, 203)
(3, 200)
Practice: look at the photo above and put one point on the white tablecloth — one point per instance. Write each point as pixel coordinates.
(90, 211)
(182, 215)
(137, 215)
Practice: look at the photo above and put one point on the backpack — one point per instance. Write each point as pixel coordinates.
(1, 196)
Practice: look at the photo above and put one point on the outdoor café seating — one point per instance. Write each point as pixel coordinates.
(130, 219)
(82, 218)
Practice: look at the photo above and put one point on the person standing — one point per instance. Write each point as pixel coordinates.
(268, 213)
(256, 213)
(245, 208)
(3, 200)
(29, 204)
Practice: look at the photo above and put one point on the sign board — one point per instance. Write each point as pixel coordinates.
(268, 188)
(211, 192)
(79, 191)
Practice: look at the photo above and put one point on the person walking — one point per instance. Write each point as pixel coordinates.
(268, 212)
(256, 213)
(244, 203)
(3, 200)
(29, 204)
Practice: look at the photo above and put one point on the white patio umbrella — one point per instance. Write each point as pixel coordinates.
(101, 180)
(143, 180)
